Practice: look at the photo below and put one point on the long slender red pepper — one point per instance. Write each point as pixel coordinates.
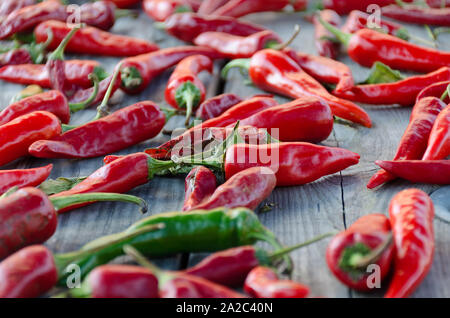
(439, 141)
(435, 90)
(263, 282)
(367, 46)
(199, 185)
(239, 8)
(411, 212)
(324, 42)
(28, 216)
(216, 106)
(184, 88)
(187, 26)
(276, 72)
(419, 171)
(160, 10)
(17, 135)
(413, 144)
(349, 249)
(411, 13)
(403, 92)
(23, 177)
(138, 71)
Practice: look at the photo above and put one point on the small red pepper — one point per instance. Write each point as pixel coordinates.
(413, 144)
(411, 212)
(184, 89)
(187, 26)
(439, 141)
(199, 185)
(263, 282)
(325, 44)
(160, 10)
(411, 13)
(209, 6)
(419, 171)
(435, 90)
(239, 8)
(369, 235)
(276, 72)
(23, 177)
(216, 106)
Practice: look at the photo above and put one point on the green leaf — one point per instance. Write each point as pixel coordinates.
(381, 73)
(54, 186)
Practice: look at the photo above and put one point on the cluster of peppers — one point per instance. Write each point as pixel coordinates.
(235, 139)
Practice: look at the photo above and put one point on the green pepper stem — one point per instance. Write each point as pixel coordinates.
(169, 113)
(446, 93)
(141, 260)
(121, 13)
(131, 77)
(243, 64)
(270, 238)
(74, 107)
(362, 262)
(343, 37)
(58, 54)
(188, 96)
(102, 110)
(156, 166)
(66, 201)
(284, 45)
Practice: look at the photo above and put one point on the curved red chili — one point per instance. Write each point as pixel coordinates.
(199, 185)
(216, 106)
(435, 90)
(418, 14)
(160, 10)
(23, 177)
(439, 141)
(323, 38)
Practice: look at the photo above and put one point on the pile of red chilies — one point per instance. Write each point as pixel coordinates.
(253, 144)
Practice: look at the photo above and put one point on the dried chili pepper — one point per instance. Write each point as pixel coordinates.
(419, 171)
(367, 241)
(239, 8)
(184, 89)
(199, 185)
(367, 46)
(187, 26)
(28, 216)
(263, 282)
(160, 10)
(20, 133)
(138, 71)
(276, 72)
(325, 44)
(411, 213)
(216, 106)
(439, 141)
(403, 92)
(413, 144)
(418, 14)
(23, 177)
(209, 6)
(435, 90)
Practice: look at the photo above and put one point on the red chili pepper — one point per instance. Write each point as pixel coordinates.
(160, 10)
(23, 177)
(411, 212)
(209, 6)
(239, 8)
(187, 26)
(184, 89)
(199, 185)
(418, 14)
(100, 14)
(9, 6)
(350, 252)
(419, 171)
(276, 72)
(263, 282)
(434, 90)
(17, 135)
(247, 188)
(15, 57)
(125, 3)
(344, 7)
(77, 73)
(367, 46)
(403, 92)
(216, 106)
(323, 38)
(138, 71)
(439, 141)
(413, 144)
(234, 46)
(358, 20)
(28, 273)
(90, 40)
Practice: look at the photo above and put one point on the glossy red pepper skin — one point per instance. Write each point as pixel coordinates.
(247, 188)
(15, 57)
(370, 231)
(417, 14)
(77, 73)
(324, 46)
(122, 281)
(419, 171)
(304, 119)
(217, 105)
(9, 6)
(209, 6)
(263, 282)
(276, 72)
(403, 92)
(344, 7)
(17, 135)
(153, 64)
(199, 185)
(23, 177)
(413, 144)
(239, 8)
(439, 142)
(125, 127)
(27, 217)
(324, 69)
(358, 20)
(52, 101)
(160, 10)
(294, 163)
(91, 40)
(28, 273)
(187, 26)
(411, 213)
(434, 90)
